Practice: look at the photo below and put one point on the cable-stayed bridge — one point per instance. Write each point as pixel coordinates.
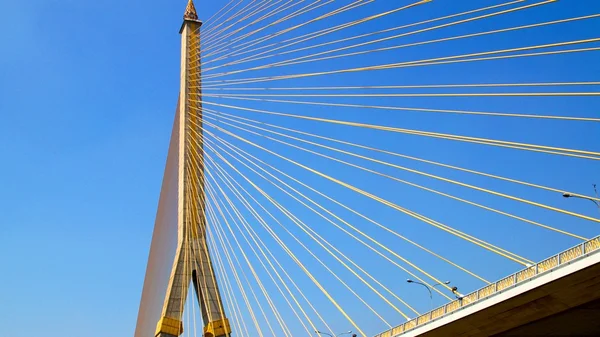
(380, 168)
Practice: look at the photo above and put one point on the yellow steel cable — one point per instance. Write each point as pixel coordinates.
(184, 290)
(261, 221)
(290, 279)
(274, 235)
(227, 241)
(307, 58)
(311, 35)
(317, 238)
(188, 310)
(264, 224)
(335, 249)
(193, 165)
(245, 154)
(340, 309)
(382, 227)
(414, 64)
(221, 308)
(452, 38)
(404, 156)
(212, 216)
(374, 197)
(210, 26)
(434, 223)
(193, 307)
(192, 212)
(309, 231)
(491, 142)
(380, 107)
(234, 270)
(219, 48)
(235, 308)
(458, 233)
(256, 241)
(503, 94)
(286, 249)
(190, 238)
(437, 60)
(260, 245)
(208, 21)
(222, 39)
(467, 237)
(230, 296)
(270, 302)
(186, 242)
(309, 251)
(354, 4)
(412, 32)
(211, 30)
(224, 280)
(219, 36)
(197, 190)
(222, 277)
(252, 10)
(343, 26)
(409, 183)
(185, 295)
(238, 280)
(442, 294)
(416, 172)
(188, 253)
(413, 184)
(251, 43)
(566, 51)
(255, 237)
(236, 212)
(411, 86)
(276, 11)
(275, 311)
(193, 313)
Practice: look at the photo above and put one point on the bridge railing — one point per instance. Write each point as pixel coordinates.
(564, 257)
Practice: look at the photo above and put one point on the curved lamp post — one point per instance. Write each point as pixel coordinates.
(569, 195)
(428, 289)
(328, 334)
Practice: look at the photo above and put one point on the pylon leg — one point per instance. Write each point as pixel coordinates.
(207, 290)
(170, 324)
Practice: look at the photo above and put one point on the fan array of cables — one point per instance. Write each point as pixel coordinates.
(351, 145)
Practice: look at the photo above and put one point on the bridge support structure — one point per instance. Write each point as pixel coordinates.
(192, 264)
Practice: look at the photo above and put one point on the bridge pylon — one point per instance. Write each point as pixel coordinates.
(192, 264)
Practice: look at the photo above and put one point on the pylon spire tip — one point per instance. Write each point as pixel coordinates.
(190, 11)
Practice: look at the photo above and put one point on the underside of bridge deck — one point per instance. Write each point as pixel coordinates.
(583, 320)
(566, 306)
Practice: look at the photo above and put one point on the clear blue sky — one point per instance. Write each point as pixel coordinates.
(87, 95)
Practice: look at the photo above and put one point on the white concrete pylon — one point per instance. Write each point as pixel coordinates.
(192, 262)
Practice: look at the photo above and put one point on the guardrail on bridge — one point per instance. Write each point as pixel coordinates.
(579, 251)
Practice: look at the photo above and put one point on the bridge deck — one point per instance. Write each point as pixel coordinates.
(558, 296)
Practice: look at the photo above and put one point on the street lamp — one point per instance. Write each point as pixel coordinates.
(429, 289)
(328, 334)
(569, 195)
(455, 292)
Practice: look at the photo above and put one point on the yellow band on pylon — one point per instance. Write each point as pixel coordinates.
(169, 326)
(217, 328)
